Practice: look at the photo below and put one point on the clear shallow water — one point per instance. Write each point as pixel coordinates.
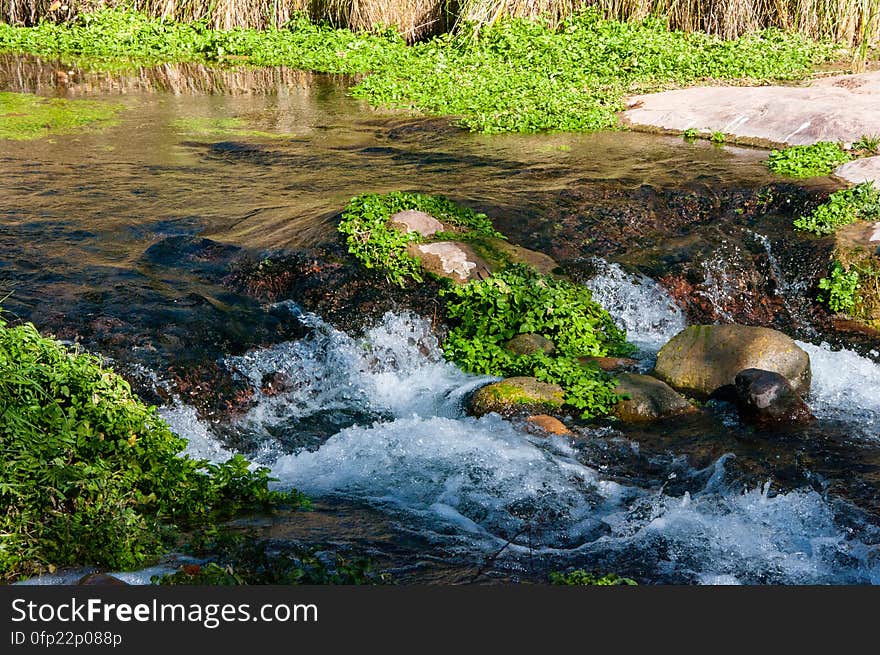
(372, 423)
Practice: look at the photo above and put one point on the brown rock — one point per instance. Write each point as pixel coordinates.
(548, 424)
(413, 220)
(530, 344)
(703, 358)
(610, 364)
(767, 399)
(649, 399)
(516, 396)
(100, 580)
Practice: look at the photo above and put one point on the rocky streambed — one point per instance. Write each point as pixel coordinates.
(207, 265)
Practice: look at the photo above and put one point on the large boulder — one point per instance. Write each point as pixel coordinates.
(450, 259)
(515, 396)
(766, 399)
(703, 358)
(649, 399)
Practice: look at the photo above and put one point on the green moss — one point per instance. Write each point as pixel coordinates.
(513, 76)
(582, 578)
(24, 116)
(222, 128)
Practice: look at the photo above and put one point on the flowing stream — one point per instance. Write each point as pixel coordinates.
(99, 229)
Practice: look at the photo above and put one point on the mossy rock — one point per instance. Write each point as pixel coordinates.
(856, 248)
(515, 396)
(498, 253)
(703, 358)
(530, 344)
(649, 399)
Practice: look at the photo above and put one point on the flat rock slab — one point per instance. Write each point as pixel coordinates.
(860, 170)
(841, 108)
(413, 220)
(450, 259)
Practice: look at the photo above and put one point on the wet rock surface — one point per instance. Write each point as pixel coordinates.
(413, 220)
(765, 398)
(857, 171)
(703, 358)
(515, 396)
(649, 399)
(530, 344)
(548, 424)
(450, 259)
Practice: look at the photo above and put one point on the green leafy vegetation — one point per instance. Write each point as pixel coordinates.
(808, 161)
(89, 475)
(376, 244)
(488, 313)
(867, 144)
(717, 137)
(241, 558)
(840, 291)
(858, 203)
(24, 116)
(582, 578)
(511, 76)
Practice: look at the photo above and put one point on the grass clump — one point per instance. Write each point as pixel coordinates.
(808, 161)
(24, 116)
(89, 475)
(582, 578)
(514, 75)
(858, 203)
(376, 244)
(488, 313)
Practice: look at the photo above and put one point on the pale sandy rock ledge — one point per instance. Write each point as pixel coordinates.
(840, 108)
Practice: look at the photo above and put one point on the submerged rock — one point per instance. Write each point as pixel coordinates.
(450, 259)
(548, 424)
(530, 344)
(519, 395)
(413, 220)
(100, 580)
(766, 398)
(649, 399)
(703, 358)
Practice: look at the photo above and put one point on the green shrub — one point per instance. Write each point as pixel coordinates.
(91, 476)
(581, 578)
(488, 313)
(859, 203)
(840, 291)
(808, 161)
(376, 244)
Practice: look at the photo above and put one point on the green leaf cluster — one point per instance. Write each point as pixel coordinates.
(840, 290)
(582, 578)
(89, 475)
(808, 161)
(858, 203)
(372, 240)
(488, 313)
(515, 75)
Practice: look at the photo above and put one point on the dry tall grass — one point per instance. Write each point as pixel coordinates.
(849, 21)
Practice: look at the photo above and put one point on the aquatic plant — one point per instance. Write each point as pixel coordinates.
(808, 161)
(24, 116)
(840, 290)
(485, 314)
(514, 75)
(89, 475)
(377, 245)
(582, 578)
(859, 203)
